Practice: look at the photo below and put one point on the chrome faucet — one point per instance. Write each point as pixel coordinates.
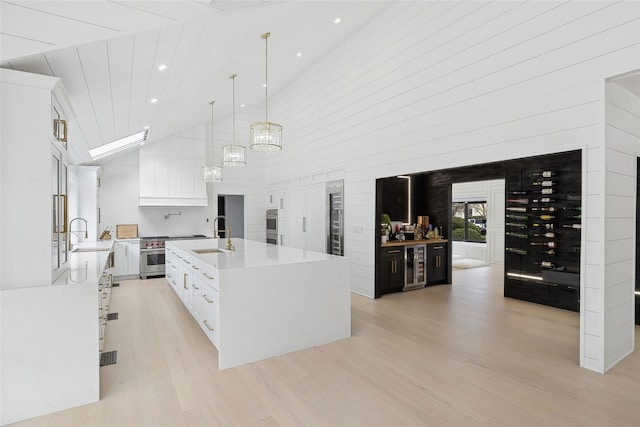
(86, 231)
(230, 246)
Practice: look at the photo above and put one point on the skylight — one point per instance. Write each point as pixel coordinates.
(118, 145)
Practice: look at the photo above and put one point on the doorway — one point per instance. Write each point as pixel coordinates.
(232, 207)
(477, 223)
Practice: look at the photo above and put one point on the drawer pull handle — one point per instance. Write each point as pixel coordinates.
(394, 252)
(207, 299)
(195, 267)
(195, 287)
(438, 247)
(207, 325)
(207, 276)
(187, 262)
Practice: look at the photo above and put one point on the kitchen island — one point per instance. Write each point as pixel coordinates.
(260, 300)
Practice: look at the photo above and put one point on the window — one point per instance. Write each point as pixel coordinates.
(469, 221)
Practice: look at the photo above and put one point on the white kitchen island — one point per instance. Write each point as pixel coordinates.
(260, 300)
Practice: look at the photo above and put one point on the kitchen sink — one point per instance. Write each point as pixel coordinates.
(208, 251)
(89, 249)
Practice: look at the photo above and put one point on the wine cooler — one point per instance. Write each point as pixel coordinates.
(335, 218)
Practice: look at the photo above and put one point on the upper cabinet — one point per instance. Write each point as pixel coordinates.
(171, 170)
(34, 172)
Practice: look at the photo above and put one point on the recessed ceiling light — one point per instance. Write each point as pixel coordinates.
(154, 100)
(146, 127)
(241, 105)
(264, 85)
(337, 21)
(299, 54)
(162, 67)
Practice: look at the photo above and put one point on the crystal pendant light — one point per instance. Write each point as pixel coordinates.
(211, 172)
(234, 155)
(265, 136)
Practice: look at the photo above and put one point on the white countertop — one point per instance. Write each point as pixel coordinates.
(85, 268)
(247, 254)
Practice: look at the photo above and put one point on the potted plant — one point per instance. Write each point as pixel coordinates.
(385, 227)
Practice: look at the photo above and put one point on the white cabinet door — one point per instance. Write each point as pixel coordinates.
(316, 218)
(306, 217)
(133, 257)
(297, 209)
(120, 262)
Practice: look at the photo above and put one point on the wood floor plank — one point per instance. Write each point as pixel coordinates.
(449, 355)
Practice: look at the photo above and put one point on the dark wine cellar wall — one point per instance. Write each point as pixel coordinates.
(431, 196)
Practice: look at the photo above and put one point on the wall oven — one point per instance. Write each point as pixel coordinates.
(272, 226)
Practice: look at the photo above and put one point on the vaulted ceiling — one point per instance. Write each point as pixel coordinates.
(107, 54)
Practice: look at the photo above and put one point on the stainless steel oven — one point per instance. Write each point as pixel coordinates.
(152, 256)
(272, 226)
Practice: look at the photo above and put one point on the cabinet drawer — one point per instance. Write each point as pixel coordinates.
(209, 313)
(393, 252)
(209, 275)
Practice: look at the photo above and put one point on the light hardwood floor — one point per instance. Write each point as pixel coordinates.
(457, 355)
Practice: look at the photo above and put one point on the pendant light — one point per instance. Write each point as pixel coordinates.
(234, 155)
(211, 172)
(265, 136)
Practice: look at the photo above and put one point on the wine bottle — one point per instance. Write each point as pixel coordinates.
(545, 174)
(550, 235)
(575, 217)
(544, 200)
(576, 226)
(515, 224)
(549, 252)
(518, 193)
(546, 264)
(521, 201)
(545, 183)
(544, 209)
(518, 235)
(517, 251)
(548, 226)
(516, 209)
(518, 217)
(575, 208)
(574, 196)
(546, 217)
(553, 245)
(544, 190)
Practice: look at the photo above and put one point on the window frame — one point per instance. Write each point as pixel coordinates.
(466, 204)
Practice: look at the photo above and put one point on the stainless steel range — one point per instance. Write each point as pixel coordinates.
(152, 253)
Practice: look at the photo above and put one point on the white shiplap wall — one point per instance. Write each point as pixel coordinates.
(427, 86)
(622, 139)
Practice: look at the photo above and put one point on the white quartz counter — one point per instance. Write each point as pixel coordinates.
(247, 253)
(261, 300)
(50, 340)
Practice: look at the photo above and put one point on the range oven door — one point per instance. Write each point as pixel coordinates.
(151, 262)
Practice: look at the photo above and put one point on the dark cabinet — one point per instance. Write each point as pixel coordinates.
(391, 267)
(437, 262)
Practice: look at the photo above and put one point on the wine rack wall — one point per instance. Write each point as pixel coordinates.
(543, 215)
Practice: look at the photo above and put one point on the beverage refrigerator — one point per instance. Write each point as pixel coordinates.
(335, 217)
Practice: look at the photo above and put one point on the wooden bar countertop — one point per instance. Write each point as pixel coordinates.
(412, 242)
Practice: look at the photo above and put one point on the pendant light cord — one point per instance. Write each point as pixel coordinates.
(212, 144)
(233, 103)
(265, 36)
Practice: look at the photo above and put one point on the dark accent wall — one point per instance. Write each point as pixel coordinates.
(431, 195)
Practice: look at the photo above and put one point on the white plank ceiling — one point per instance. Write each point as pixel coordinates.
(107, 55)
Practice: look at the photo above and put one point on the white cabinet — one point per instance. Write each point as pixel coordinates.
(306, 210)
(126, 258)
(34, 175)
(170, 170)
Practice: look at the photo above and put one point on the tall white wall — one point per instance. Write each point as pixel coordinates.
(622, 138)
(432, 85)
